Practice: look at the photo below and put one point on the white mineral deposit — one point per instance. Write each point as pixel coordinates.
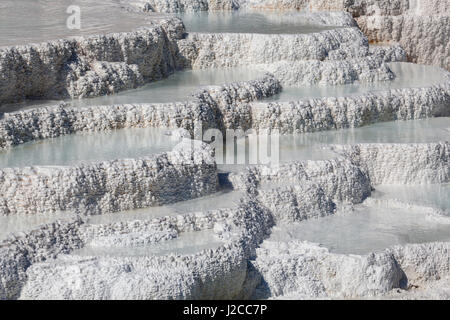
(232, 149)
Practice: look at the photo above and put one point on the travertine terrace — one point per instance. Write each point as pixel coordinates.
(168, 219)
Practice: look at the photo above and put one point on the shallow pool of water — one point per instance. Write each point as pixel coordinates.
(88, 147)
(187, 243)
(367, 229)
(409, 131)
(408, 75)
(434, 195)
(177, 87)
(34, 21)
(248, 21)
(142, 142)
(220, 200)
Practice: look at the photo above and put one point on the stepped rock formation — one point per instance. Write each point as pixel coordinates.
(141, 246)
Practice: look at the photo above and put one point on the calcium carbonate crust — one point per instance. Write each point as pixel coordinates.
(189, 171)
(340, 72)
(236, 269)
(19, 252)
(207, 108)
(421, 27)
(413, 32)
(218, 273)
(356, 8)
(304, 270)
(232, 106)
(330, 113)
(178, 6)
(106, 64)
(90, 66)
(340, 180)
(415, 163)
(212, 50)
(44, 264)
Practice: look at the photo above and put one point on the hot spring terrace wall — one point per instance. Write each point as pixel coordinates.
(413, 32)
(352, 111)
(19, 253)
(174, 6)
(110, 186)
(419, 163)
(89, 66)
(206, 50)
(302, 270)
(219, 273)
(213, 107)
(421, 27)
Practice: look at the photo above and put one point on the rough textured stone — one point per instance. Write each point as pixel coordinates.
(298, 202)
(340, 180)
(210, 274)
(18, 253)
(177, 6)
(402, 163)
(213, 107)
(44, 263)
(424, 38)
(309, 73)
(420, 26)
(89, 66)
(209, 50)
(110, 186)
(311, 271)
(423, 263)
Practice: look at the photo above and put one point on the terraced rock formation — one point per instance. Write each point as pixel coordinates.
(89, 66)
(113, 229)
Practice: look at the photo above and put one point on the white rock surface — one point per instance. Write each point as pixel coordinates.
(421, 27)
(299, 202)
(176, 6)
(210, 274)
(110, 186)
(22, 250)
(45, 263)
(424, 38)
(296, 269)
(340, 180)
(308, 73)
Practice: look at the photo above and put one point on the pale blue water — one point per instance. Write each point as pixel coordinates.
(434, 195)
(23, 223)
(35, 21)
(408, 75)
